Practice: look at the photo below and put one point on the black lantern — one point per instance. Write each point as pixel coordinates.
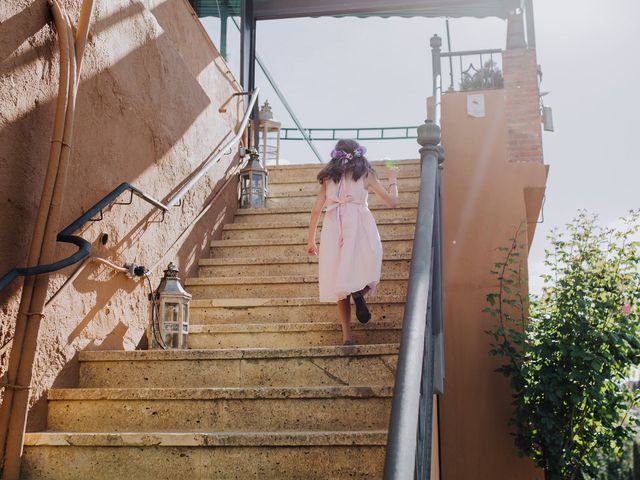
(169, 326)
(253, 183)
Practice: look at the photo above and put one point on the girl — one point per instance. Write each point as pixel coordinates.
(351, 254)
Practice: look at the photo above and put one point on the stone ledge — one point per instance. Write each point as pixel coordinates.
(209, 262)
(311, 194)
(237, 353)
(283, 210)
(284, 279)
(283, 302)
(278, 178)
(286, 241)
(239, 439)
(317, 166)
(305, 224)
(288, 327)
(235, 393)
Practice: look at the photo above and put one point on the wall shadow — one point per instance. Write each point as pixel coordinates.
(114, 140)
(16, 30)
(133, 112)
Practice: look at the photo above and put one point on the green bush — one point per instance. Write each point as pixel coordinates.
(489, 76)
(568, 352)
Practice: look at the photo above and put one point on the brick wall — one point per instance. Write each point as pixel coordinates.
(522, 106)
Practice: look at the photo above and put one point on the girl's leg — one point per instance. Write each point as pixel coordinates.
(344, 312)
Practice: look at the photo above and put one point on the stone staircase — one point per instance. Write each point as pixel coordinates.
(266, 390)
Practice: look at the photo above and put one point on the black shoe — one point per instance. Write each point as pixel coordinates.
(362, 310)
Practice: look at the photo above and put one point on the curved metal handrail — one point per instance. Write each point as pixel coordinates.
(408, 453)
(84, 247)
(214, 158)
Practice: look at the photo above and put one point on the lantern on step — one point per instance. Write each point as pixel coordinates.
(253, 183)
(169, 326)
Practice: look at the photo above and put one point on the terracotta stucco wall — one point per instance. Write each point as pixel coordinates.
(485, 197)
(147, 113)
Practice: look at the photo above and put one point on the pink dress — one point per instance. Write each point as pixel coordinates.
(350, 256)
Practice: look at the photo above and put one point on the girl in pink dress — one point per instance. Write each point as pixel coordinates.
(350, 248)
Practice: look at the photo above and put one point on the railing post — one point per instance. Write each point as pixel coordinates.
(436, 65)
(438, 287)
(401, 444)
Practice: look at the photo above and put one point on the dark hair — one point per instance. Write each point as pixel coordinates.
(359, 166)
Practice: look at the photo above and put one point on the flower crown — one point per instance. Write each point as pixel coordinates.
(342, 155)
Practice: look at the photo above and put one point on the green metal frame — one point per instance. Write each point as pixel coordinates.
(369, 133)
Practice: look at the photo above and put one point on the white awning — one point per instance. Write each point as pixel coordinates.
(277, 9)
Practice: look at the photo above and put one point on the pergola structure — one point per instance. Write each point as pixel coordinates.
(251, 11)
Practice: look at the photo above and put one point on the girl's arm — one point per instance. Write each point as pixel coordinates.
(312, 249)
(389, 195)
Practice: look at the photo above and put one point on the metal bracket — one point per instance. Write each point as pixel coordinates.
(129, 202)
(98, 219)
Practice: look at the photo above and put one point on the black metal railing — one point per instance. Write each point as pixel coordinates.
(420, 370)
(474, 69)
(84, 247)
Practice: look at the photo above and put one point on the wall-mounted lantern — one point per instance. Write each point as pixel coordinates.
(253, 183)
(169, 326)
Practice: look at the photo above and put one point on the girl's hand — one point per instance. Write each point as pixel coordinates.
(312, 249)
(393, 173)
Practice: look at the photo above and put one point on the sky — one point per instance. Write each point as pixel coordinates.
(377, 72)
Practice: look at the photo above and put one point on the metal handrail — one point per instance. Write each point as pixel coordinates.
(214, 158)
(408, 453)
(65, 236)
(84, 247)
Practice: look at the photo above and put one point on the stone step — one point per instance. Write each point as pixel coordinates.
(289, 286)
(276, 189)
(288, 175)
(254, 367)
(290, 335)
(278, 247)
(335, 408)
(315, 167)
(410, 190)
(286, 310)
(272, 266)
(302, 214)
(299, 230)
(303, 199)
(204, 456)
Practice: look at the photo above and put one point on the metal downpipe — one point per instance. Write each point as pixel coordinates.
(19, 407)
(38, 234)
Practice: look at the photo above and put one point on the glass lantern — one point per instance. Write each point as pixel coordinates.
(169, 313)
(269, 142)
(253, 183)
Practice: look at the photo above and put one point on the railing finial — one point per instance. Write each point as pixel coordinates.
(436, 42)
(429, 134)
